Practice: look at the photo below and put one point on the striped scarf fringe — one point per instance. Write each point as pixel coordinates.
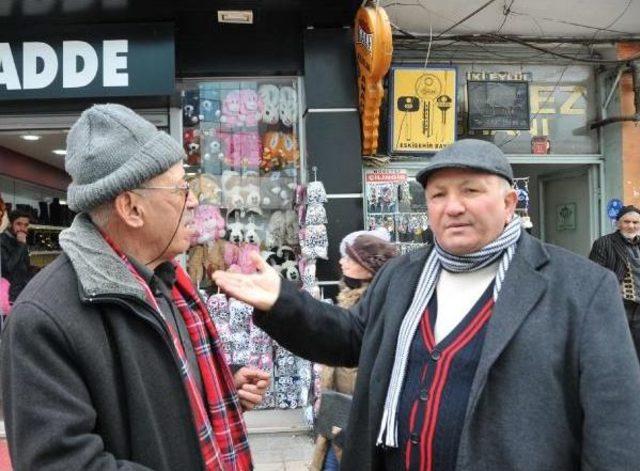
(503, 247)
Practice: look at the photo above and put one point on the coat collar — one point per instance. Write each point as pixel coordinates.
(99, 269)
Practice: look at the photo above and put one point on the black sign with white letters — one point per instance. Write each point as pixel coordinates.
(89, 61)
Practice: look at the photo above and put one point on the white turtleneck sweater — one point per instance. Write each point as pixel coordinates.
(457, 293)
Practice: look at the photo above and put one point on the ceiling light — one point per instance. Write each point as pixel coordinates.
(30, 137)
(60, 152)
(235, 16)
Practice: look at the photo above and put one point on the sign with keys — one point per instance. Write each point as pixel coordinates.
(423, 109)
(374, 48)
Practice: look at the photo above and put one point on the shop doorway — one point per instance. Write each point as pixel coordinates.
(564, 203)
(567, 208)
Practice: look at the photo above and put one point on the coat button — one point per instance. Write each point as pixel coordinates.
(424, 395)
(415, 438)
(435, 355)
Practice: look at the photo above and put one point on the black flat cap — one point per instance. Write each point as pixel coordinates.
(626, 210)
(473, 154)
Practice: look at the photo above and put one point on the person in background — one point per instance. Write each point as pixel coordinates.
(488, 350)
(14, 261)
(109, 359)
(4, 215)
(363, 254)
(620, 253)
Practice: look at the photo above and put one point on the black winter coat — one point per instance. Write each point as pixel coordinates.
(14, 264)
(89, 381)
(610, 252)
(557, 385)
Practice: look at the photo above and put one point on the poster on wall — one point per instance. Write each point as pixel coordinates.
(423, 109)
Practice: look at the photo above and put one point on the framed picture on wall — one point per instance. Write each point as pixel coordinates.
(498, 105)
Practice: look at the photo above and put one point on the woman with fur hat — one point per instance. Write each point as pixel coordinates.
(363, 254)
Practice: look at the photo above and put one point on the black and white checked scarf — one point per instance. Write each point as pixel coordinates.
(504, 246)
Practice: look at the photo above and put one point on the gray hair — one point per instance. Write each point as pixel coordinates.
(101, 215)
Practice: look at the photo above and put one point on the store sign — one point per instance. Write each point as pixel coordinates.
(423, 109)
(374, 48)
(95, 62)
(386, 176)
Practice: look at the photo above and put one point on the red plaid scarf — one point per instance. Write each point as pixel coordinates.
(218, 415)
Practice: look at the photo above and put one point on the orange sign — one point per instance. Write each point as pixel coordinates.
(374, 48)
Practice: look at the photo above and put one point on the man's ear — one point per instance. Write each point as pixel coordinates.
(510, 201)
(129, 209)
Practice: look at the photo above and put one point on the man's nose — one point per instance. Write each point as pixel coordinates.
(454, 205)
(192, 201)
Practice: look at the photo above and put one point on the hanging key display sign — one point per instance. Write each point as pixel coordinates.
(374, 48)
(422, 109)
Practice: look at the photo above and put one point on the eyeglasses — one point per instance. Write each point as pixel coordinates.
(183, 188)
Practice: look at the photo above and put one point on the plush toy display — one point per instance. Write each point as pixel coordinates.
(208, 224)
(215, 146)
(245, 153)
(196, 263)
(191, 143)
(230, 116)
(270, 95)
(290, 152)
(210, 104)
(190, 108)
(242, 136)
(206, 189)
(288, 106)
(231, 190)
(250, 108)
(272, 151)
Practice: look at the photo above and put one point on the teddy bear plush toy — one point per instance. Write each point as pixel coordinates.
(208, 224)
(246, 151)
(288, 106)
(231, 190)
(290, 152)
(230, 115)
(276, 191)
(270, 95)
(272, 151)
(250, 108)
(191, 143)
(206, 189)
(210, 111)
(190, 108)
(215, 148)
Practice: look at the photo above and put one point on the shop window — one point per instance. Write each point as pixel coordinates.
(244, 163)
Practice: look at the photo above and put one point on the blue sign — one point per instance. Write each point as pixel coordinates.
(613, 208)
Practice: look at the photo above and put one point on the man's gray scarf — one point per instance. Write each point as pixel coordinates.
(504, 246)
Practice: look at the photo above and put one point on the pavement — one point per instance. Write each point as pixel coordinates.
(280, 440)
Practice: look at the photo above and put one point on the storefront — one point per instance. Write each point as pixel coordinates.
(239, 98)
(538, 114)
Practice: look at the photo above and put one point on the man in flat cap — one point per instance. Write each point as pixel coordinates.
(488, 350)
(620, 253)
(109, 359)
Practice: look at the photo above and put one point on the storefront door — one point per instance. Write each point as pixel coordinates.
(568, 200)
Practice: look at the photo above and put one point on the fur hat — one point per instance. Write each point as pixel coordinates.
(380, 233)
(370, 252)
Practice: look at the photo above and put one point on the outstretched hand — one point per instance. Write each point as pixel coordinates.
(259, 289)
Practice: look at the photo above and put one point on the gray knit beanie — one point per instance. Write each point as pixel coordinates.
(111, 149)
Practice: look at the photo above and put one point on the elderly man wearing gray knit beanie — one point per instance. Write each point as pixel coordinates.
(110, 359)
